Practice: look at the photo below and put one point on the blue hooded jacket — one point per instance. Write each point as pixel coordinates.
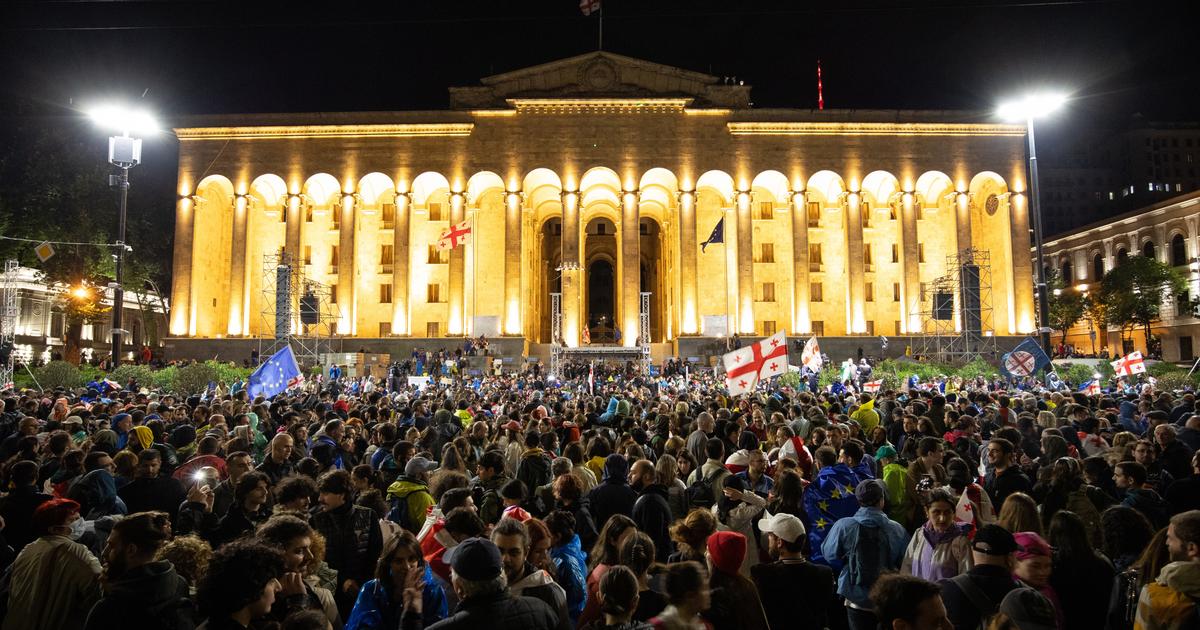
(570, 567)
(374, 609)
(96, 492)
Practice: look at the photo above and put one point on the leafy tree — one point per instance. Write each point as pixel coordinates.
(1066, 304)
(1134, 291)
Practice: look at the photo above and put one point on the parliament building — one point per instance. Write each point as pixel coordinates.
(589, 185)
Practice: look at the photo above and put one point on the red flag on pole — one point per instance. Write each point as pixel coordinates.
(589, 6)
(820, 90)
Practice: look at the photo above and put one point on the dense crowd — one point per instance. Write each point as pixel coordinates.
(600, 501)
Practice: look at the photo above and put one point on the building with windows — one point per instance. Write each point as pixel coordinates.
(1166, 231)
(598, 178)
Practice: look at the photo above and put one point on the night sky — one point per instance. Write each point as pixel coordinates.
(195, 57)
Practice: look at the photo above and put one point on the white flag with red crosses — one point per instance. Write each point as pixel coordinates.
(745, 367)
(458, 234)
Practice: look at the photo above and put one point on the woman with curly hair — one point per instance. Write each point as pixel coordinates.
(690, 535)
(294, 537)
(381, 601)
(190, 556)
(1124, 534)
(241, 585)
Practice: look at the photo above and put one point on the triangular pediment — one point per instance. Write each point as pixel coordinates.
(601, 75)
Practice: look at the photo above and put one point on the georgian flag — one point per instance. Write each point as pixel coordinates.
(589, 7)
(587, 336)
(872, 386)
(810, 357)
(745, 367)
(1090, 388)
(1129, 364)
(458, 234)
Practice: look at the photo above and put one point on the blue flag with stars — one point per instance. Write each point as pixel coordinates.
(829, 498)
(275, 375)
(717, 236)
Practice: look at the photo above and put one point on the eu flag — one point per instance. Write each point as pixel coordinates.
(275, 375)
(717, 236)
(829, 498)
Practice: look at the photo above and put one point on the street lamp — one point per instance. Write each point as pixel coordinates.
(124, 152)
(1028, 108)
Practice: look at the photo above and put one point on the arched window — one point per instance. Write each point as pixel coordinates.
(1067, 275)
(1122, 255)
(1148, 249)
(1097, 268)
(1178, 251)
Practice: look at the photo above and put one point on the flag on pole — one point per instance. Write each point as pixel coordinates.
(1129, 364)
(458, 234)
(589, 7)
(820, 89)
(592, 378)
(872, 386)
(810, 357)
(717, 236)
(1025, 359)
(275, 375)
(587, 335)
(745, 367)
(1090, 388)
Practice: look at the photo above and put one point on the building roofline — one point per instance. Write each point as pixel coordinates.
(1181, 200)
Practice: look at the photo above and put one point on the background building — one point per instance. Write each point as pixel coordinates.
(597, 177)
(1166, 231)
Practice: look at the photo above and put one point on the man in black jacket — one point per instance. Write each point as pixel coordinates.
(353, 540)
(482, 588)
(613, 495)
(652, 511)
(791, 583)
(1004, 478)
(512, 539)
(16, 508)
(151, 491)
(140, 592)
(976, 595)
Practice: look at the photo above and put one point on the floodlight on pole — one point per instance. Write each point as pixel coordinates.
(124, 152)
(1027, 108)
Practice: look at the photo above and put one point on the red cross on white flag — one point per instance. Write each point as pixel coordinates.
(873, 386)
(589, 7)
(745, 367)
(458, 234)
(1129, 364)
(811, 356)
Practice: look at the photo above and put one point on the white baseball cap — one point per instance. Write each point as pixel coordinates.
(785, 526)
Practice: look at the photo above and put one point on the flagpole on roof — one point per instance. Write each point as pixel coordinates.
(600, 43)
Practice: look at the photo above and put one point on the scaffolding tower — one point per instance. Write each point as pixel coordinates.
(8, 322)
(956, 317)
(296, 311)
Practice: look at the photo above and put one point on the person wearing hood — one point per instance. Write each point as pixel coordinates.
(613, 495)
(1171, 601)
(940, 549)
(570, 563)
(734, 604)
(96, 494)
(122, 425)
(652, 509)
(535, 468)
(139, 591)
(511, 537)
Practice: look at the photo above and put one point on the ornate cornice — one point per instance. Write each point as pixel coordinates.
(326, 131)
(599, 105)
(872, 129)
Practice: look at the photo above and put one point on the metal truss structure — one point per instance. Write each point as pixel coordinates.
(956, 311)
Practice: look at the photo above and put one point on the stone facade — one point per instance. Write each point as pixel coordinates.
(834, 220)
(1166, 231)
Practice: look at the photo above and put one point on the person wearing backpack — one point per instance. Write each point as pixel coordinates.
(707, 483)
(972, 598)
(140, 592)
(865, 545)
(409, 495)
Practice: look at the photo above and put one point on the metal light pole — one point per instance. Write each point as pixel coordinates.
(124, 152)
(1027, 109)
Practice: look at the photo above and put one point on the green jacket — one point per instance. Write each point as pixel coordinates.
(413, 495)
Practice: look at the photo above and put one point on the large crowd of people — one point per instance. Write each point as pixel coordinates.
(606, 501)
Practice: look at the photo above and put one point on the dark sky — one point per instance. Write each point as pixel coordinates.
(191, 57)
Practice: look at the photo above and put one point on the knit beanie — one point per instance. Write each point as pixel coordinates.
(727, 550)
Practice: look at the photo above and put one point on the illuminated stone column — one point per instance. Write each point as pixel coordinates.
(401, 318)
(630, 268)
(295, 226)
(1022, 306)
(962, 221)
(801, 315)
(458, 266)
(745, 264)
(181, 277)
(512, 262)
(571, 306)
(239, 293)
(910, 285)
(346, 293)
(856, 321)
(688, 262)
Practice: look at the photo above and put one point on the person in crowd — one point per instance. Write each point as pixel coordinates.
(737, 510)
(149, 490)
(1034, 565)
(690, 533)
(140, 591)
(400, 567)
(568, 496)
(17, 507)
(1078, 572)
(278, 464)
(189, 556)
(249, 509)
(295, 538)
(618, 602)
(512, 539)
(637, 554)
(352, 535)
(481, 584)
(790, 583)
(652, 509)
(904, 602)
(976, 595)
(613, 495)
(570, 562)
(1184, 493)
(606, 553)
(410, 495)
(688, 596)
(53, 583)
(1019, 513)
(867, 545)
(734, 601)
(1170, 602)
(1004, 476)
(236, 466)
(241, 585)
(1130, 479)
(486, 486)
(941, 548)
